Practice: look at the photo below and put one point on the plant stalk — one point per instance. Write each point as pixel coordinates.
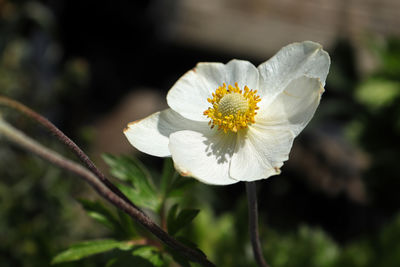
(65, 140)
(253, 224)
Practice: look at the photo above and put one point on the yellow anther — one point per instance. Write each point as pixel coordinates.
(232, 109)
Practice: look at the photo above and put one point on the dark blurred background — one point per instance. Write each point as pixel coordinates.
(93, 66)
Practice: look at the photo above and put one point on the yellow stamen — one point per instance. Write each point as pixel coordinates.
(232, 109)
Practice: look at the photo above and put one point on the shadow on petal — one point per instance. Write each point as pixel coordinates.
(220, 145)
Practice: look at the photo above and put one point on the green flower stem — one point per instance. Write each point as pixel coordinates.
(19, 138)
(253, 223)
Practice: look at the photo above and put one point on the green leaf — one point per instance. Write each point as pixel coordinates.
(176, 221)
(130, 170)
(97, 211)
(185, 217)
(168, 175)
(179, 186)
(149, 253)
(139, 197)
(89, 248)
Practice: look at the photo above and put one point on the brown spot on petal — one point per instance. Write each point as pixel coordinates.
(277, 170)
(131, 124)
(185, 173)
(321, 90)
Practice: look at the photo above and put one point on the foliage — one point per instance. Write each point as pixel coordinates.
(89, 248)
(139, 186)
(225, 240)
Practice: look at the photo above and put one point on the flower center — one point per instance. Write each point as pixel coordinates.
(233, 104)
(232, 109)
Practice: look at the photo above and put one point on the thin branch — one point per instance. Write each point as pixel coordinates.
(19, 138)
(253, 223)
(65, 140)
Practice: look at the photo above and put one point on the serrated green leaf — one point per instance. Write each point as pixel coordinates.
(176, 221)
(140, 198)
(132, 171)
(149, 253)
(89, 248)
(100, 213)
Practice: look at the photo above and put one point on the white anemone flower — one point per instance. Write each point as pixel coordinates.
(235, 122)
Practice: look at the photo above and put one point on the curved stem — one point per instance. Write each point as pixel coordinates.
(29, 144)
(65, 140)
(253, 223)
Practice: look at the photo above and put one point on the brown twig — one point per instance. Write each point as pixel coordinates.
(253, 223)
(65, 140)
(102, 188)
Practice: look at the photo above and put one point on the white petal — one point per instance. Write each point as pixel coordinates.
(204, 156)
(189, 95)
(293, 107)
(260, 152)
(243, 73)
(151, 135)
(292, 61)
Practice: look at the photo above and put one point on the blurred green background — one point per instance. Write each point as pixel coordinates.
(91, 67)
